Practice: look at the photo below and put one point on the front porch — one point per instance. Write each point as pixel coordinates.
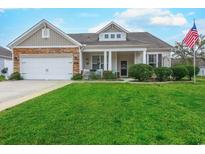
(117, 61)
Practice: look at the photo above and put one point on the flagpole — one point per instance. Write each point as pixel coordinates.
(194, 65)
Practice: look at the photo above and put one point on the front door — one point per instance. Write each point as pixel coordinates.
(123, 70)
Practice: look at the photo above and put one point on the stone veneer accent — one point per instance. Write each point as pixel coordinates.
(18, 51)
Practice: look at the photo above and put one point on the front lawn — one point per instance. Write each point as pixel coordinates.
(88, 113)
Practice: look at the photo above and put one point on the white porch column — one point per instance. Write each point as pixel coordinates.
(105, 60)
(110, 61)
(144, 56)
(80, 60)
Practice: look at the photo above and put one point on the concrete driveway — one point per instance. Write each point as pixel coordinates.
(16, 92)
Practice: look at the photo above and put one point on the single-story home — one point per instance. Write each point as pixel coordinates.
(6, 60)
(46, 52)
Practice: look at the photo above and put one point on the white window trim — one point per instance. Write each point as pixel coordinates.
(115, 37)
(157, 58)
(101, 61)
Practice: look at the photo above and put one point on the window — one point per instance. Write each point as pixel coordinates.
(118, 35)
(97, 62)
(106, 36)
(152, 60)
(112, 36)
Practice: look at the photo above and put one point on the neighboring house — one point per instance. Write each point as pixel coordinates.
(199, 62)
(46, 52)
(6, 60)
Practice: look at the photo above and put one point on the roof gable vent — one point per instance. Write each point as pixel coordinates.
(45, 33)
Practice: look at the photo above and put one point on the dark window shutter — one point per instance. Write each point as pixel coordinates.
(159, 60)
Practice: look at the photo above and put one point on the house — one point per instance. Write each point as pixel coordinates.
(46, 52)
(6, 60)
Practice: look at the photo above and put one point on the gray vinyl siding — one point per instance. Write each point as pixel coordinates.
(54, 40)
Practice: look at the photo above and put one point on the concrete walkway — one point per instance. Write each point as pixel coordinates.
(16, 92)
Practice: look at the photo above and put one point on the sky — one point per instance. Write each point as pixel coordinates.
(170, 25)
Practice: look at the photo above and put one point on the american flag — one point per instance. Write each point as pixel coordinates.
(191, 37)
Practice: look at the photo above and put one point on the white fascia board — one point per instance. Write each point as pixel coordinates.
(63, 34)
(115, 49)
(112, 22)
(36, 28)
(24, 34)
(70, 46)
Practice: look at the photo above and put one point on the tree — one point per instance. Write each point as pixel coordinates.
(186, 55)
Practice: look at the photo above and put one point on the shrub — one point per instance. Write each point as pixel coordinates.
(109, 75)
(15, 76)
(4, 70)
(190, 69)
(94, 76)
(2, 77)
(163, 73)
(77, 77)
(140, 71)
(179, 72)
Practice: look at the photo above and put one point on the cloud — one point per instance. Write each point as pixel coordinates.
(162, 17)
(138, 19)
(124, 25)
(169, 20)
(58, 22)
(185, 31)
(88, 15)
(191, 13)
(139, 13)
(97, 27)
(200, 24)
(1, 10)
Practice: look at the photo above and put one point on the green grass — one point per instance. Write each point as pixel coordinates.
(2, 78)
(109, 114)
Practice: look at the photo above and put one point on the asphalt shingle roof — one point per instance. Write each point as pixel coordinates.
(134, 38)
(5, 53)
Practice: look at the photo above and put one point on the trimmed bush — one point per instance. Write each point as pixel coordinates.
(179, 72)
(163, 73)
(190, 69)
(140, 71)
(94, 76)
(15, 76)
(2, 77)
(109, 75)
(77, 77)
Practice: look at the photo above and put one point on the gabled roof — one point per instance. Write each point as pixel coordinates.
(5, 53)
(141, 39)
(110, 24)
(35, 28)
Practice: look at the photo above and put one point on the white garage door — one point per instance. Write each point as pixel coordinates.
(48, 68)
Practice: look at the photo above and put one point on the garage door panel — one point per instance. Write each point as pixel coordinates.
(46, 68)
